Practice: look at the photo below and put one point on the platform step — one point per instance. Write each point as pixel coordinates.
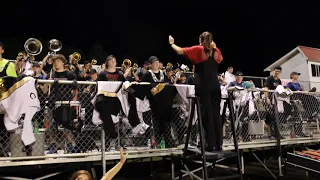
(213, 155)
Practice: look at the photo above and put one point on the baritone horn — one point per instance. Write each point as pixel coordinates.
(169, 65)
(93, 61)
(76, 56)
(33, 46)
(54, 46)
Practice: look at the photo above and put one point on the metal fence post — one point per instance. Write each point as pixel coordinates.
(103, 152)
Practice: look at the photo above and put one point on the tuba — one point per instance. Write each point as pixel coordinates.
(33, 46)
(93, 61)
(76, 56)
(54, 46)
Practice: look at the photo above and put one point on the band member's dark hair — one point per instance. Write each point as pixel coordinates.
(206, 39)
(86, 62)
(59, 56)
(109, 58)
(278, 68)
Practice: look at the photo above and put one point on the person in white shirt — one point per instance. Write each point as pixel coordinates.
(228, 76)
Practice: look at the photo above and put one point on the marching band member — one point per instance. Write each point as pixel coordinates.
(47, 64)
(206, 58)
(142, 70)
(6, 68)
(228, 77)
(155, 75)
(111, 73)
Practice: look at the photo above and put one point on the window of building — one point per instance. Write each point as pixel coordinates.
(315, 70)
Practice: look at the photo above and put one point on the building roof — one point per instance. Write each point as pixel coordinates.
(310, 54)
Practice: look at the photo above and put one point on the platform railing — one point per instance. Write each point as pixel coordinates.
(255, 124)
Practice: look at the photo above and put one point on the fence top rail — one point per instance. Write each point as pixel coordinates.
(271, 91)
(257, 77)
(146, 83)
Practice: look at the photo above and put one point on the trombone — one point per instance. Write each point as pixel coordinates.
(54, 46)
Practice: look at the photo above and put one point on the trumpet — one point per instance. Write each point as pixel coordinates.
(33, 46)
(20, 55)
(72, 68)
(135, 66)
(76, 56)
(126, 63)
(186, 69)
(93, 61)
(54, 46)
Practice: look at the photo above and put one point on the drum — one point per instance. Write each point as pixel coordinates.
(75, 106)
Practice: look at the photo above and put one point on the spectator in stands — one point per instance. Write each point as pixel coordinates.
(38, 71)
(294, 85)
(239, 81)
(273, 81)
(228, 76)
(6, 67)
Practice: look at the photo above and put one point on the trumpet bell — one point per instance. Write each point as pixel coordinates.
(93, 61)
(126, 63)
(76, 56)
(54, 45)
(33, 46)
(135, 66)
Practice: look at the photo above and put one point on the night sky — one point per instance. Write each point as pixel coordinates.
(249, 37)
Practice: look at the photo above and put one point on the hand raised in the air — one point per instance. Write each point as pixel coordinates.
(171, 40)
(123, 157)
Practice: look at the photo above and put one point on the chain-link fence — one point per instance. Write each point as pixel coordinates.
(256, 122)
(73, 116)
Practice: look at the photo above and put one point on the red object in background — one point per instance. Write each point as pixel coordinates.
(291, 135)
(153, 142)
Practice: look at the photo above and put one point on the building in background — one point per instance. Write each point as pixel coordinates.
(302, 59)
